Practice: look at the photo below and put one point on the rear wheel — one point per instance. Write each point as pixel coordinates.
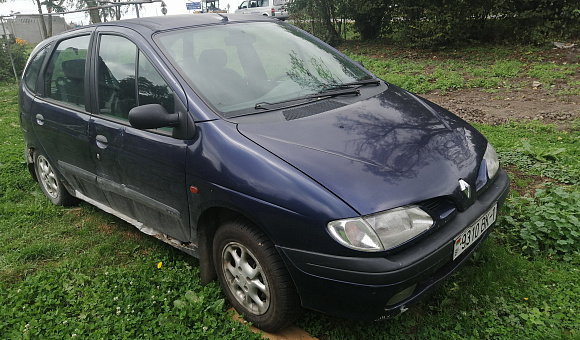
(254, 277)
(50, 181)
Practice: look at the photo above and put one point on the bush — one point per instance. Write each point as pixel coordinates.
(547, 224)
(19, 51)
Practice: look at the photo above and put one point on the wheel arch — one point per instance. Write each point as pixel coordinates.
(208, 224)
(29, 154)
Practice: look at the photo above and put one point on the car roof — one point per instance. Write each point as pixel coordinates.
(149, 25)
(162, 23)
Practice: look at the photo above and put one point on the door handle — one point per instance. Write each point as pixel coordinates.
(39, 119)
(102, 141)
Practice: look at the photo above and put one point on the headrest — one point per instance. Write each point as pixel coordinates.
(74, 69)
(213, 58)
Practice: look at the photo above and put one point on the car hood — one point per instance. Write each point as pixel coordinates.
(379, 153)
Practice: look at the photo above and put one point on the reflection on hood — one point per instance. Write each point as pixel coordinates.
(379, 153)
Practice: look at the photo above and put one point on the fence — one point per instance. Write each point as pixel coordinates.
(28, 27)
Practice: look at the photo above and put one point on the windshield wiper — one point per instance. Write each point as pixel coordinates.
(327, 93)
(365, 82)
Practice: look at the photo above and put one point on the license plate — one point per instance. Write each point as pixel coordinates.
(470, 234)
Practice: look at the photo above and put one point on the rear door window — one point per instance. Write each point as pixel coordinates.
(65, 74)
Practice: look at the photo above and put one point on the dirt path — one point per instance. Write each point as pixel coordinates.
(519, 105)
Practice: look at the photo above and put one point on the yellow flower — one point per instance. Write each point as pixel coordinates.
(526, 299)
(159, 265)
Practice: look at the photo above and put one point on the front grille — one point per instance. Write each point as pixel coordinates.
(440, 208)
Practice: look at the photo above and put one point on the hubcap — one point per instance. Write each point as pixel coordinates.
(245, 278)
(47, 176)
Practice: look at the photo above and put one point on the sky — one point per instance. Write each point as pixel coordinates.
(148, 10)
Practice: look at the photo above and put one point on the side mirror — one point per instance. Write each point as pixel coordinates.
(152, 116)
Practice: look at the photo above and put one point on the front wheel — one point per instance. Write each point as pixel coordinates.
(254, 277)
(50, 181)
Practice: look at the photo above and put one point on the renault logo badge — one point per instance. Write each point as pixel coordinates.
(465, 188)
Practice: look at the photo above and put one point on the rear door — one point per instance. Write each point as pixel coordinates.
(141, 172)
(60, 113)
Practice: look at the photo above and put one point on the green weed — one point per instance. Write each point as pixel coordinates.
(484, 68)
(448, 80)
(506, 69)
(538, 149)
(547, 73)
(547, 224)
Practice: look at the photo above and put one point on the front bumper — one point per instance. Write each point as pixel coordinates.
(361, 287)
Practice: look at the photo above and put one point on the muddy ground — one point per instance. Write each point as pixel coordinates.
(530, 101)
(524, 104)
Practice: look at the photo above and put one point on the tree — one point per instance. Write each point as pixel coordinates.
(42, 23)
(369, 17)
(93, 11)
(320, 15)
(52, 6)
(326, 18)
(441, 23)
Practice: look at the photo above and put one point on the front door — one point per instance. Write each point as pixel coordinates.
(141, 172)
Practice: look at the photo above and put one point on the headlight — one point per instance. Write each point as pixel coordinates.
(381, 231)
(355, 233)
(491, 161)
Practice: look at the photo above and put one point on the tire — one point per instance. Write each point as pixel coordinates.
(50, 182)
(254, 277)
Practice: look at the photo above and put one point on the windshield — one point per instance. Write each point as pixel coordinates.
(235, 66)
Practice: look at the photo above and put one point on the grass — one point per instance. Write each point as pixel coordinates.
(82, 273)
(484, 68)
(79, 272)
(538, 149)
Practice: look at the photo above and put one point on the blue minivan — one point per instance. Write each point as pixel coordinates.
(295, 175)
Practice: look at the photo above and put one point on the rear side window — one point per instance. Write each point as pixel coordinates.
(31, 73)
(65, 73)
